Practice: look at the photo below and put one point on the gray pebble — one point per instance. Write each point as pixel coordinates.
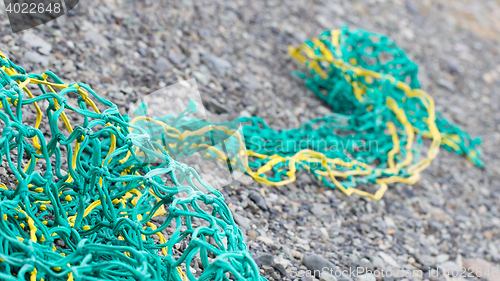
(257, 199)
(315, 262)
(35, 57)
(221, 65)
(176, 58)
(366, 264)
(39, 44)
(96, 37)
(242, 221)
(162, 65)
(266, 259)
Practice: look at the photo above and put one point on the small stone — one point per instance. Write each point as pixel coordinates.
(142, 48)
(366, 264)
(258, 200)
(3, 171)
(201, 77)
(488, 235)
(389, 222)
(296, 254)
(127, 90)
(69, 66)
(378, 262)
(245, 113)
(215, 106)
(35, 57)
(221, 65)
(96, 37)
(322, 110)
(337, 9)
(266, 259)
(162, 65)
(318, 210)
(442, 258)
(245, 180)
(303, 246)
(194, 58)
(388, 260)
(283, 262)
(440, 215)
(37, 42)
(482, 209)
(353, 258)
(266, 240)
(408, 34)
(106, 79)
(489, 77)
(446, 84)
(411, 7)
(275, 275)
(459, 261)
(451, 66)
(317, 263)
(242, 221)
(268, 269)
(281, 269)
(252, 234)
(176, 58)
(252, 109)
(70, 44)
(324, 22)
(426, 260)
(252, 82)
(338, 240)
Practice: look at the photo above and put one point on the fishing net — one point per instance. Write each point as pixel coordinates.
(374, 135)
(88, 202)
(96, 196)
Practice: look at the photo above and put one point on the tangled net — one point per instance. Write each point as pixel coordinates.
(118, 207)
(375, 133)
(102, 211)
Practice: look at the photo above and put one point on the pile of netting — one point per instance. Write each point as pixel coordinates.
(95, 196)
(373, 136)
(91, 197)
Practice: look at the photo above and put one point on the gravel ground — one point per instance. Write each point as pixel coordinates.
(237, 51)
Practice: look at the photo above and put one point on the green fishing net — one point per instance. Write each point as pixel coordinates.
(85, 205)
(95, 196)
(379, 119)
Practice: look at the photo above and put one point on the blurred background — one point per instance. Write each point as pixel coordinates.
(237, 52)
